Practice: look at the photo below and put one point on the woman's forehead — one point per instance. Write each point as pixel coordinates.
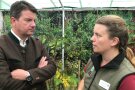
(100, 28)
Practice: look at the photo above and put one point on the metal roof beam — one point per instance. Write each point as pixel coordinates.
(53, 3)
(111, 3)
(80, 3)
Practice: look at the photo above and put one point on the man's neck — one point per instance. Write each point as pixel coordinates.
(18, 37)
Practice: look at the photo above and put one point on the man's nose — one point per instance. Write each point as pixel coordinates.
(33, 24)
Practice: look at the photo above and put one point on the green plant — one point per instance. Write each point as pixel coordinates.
(65, 78)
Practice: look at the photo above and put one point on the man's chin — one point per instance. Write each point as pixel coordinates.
(28, 35)
(31, 33)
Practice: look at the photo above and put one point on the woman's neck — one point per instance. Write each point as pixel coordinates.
(109, 56)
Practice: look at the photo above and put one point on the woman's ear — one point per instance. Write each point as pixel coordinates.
(115, 41)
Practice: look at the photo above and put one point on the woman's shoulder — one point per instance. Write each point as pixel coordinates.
(128, 82)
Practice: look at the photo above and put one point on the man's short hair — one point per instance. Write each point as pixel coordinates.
(18, 6)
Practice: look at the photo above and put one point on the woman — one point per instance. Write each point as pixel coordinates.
(108, 67)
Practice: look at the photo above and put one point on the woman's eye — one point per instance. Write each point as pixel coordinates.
(98, 35)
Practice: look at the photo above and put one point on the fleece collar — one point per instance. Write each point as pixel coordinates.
(113, 64)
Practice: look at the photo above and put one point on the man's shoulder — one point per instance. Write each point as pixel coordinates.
(3, 37)
(35, 40)
(4, 40)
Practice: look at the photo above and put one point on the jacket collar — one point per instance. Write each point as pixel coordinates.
(14, 38)
(113, 64)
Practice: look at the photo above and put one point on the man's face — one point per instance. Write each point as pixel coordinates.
(24, 26)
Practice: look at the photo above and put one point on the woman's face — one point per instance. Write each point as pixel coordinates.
(100, 39)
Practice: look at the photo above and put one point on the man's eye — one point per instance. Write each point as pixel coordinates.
(28, 20)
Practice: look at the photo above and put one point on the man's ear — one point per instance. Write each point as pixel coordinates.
(115, 41)
(12, 20)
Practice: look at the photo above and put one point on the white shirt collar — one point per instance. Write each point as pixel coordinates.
(22, 42)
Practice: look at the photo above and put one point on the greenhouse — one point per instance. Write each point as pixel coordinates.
(65, 28)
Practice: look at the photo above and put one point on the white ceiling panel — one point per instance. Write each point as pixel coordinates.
(39, 4)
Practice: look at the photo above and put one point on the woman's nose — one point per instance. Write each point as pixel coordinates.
(92, 38)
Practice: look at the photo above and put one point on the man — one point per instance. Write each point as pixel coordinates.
(24, 62)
